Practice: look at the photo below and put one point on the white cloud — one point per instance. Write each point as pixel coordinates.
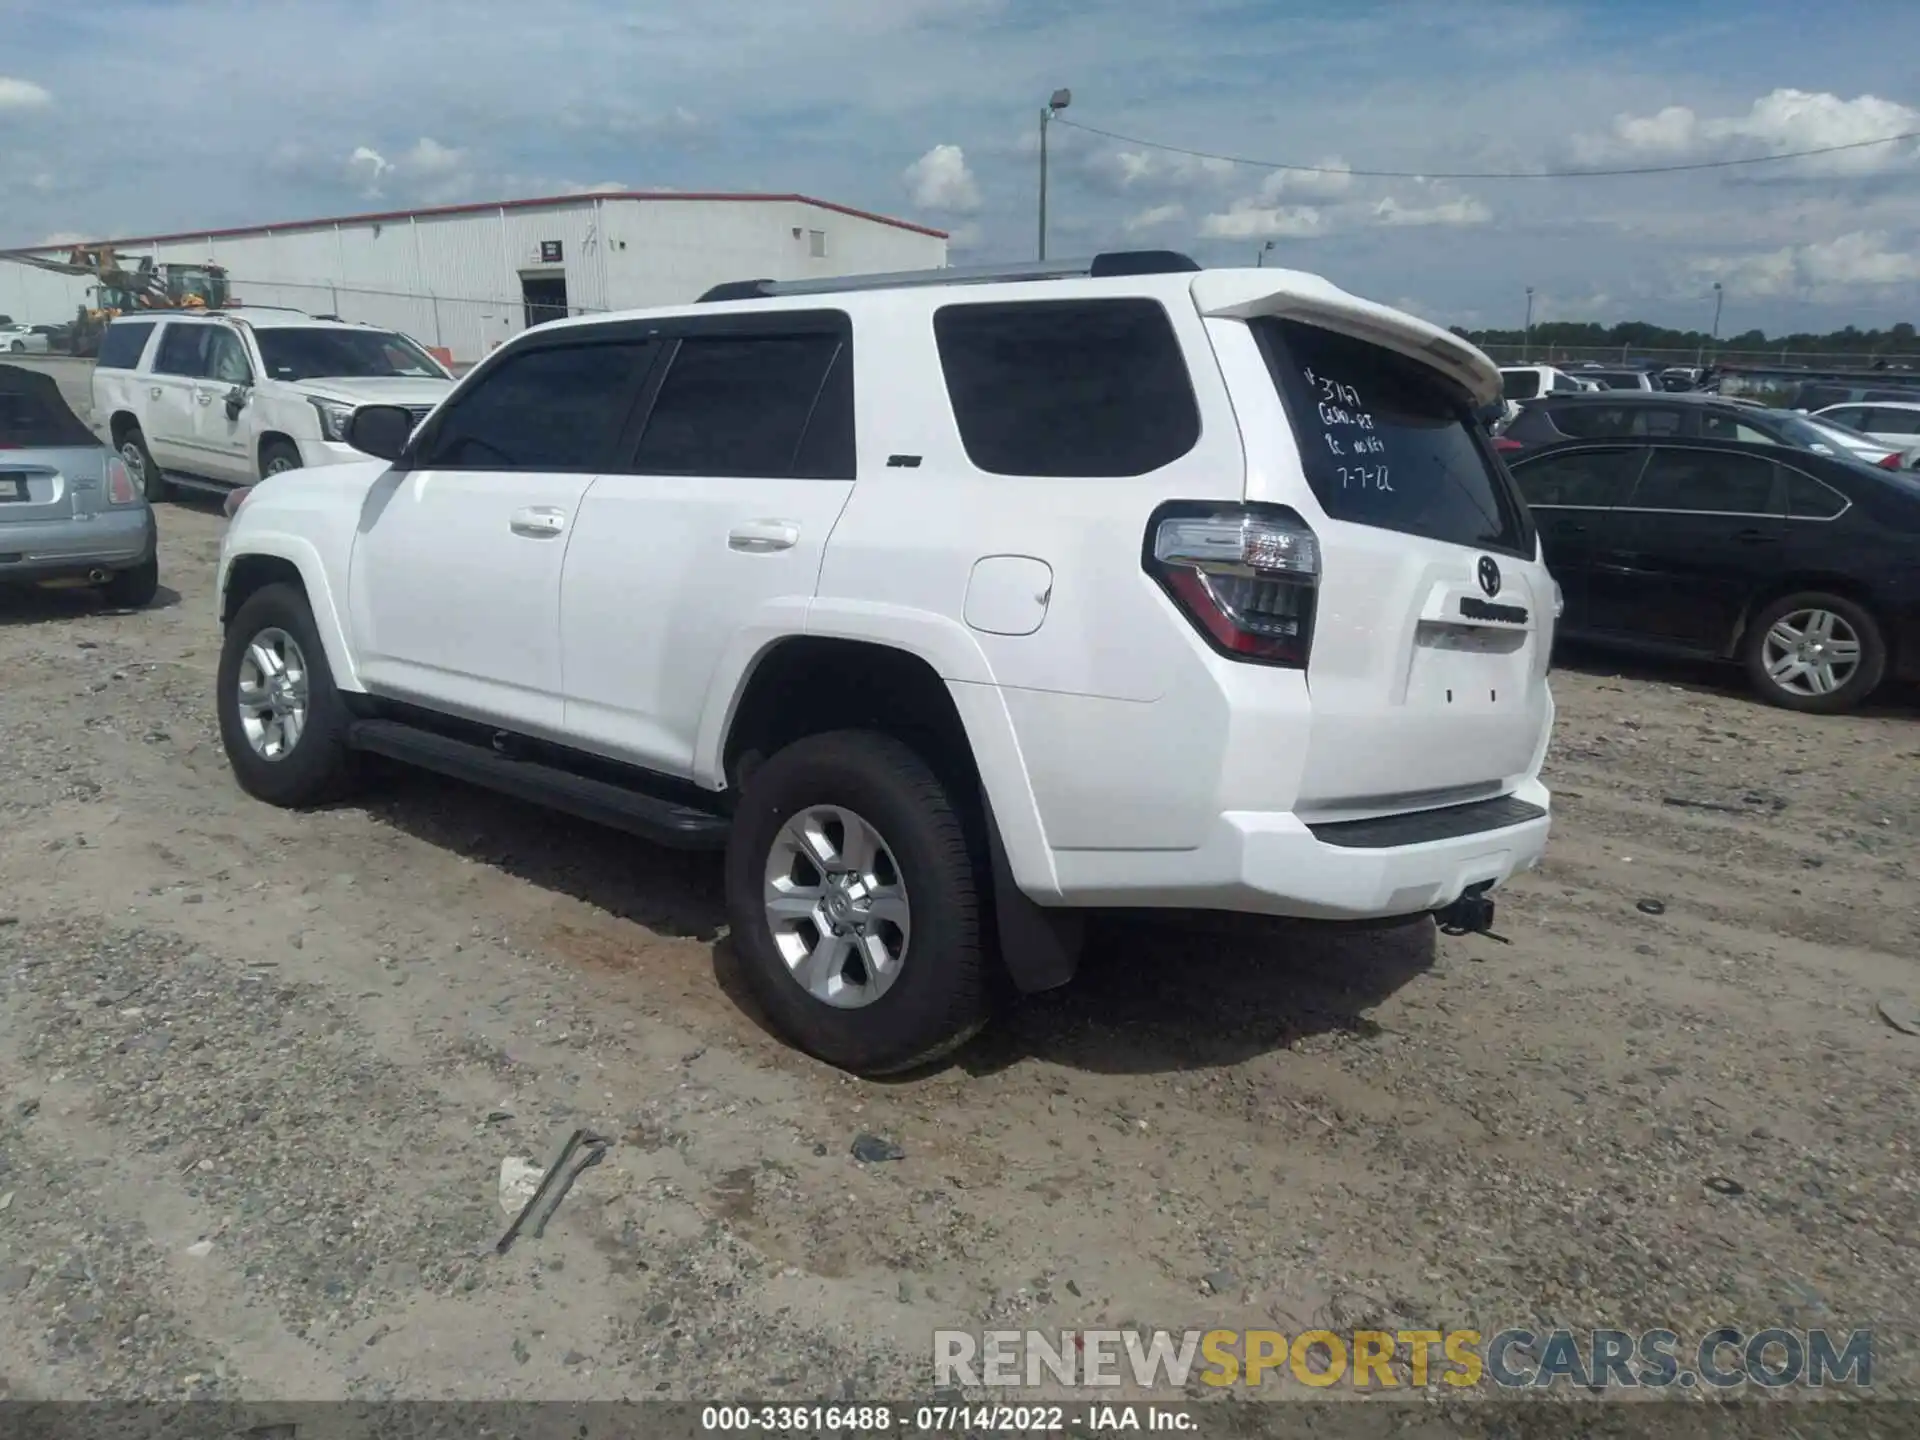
(1779, 122)
(65, 237)
(18, 94)
(940, 180)
(1333, 177)
(1461, 210)
(1860, 260)
(601, 187)
(1153, 218)
(429, 158)
(369, 167)
(1249, 220)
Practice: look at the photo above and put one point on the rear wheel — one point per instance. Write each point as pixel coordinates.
(854, 903)
(138, 459)
(19, 347)
(133, 589)
(1815, 652)
(282, 723)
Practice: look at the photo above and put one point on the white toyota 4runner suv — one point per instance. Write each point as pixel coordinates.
(214, 400)
(950, 605)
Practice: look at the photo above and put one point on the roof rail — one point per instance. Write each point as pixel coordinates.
(1112, 262)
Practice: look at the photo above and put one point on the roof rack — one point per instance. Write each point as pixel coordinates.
(1110, 263)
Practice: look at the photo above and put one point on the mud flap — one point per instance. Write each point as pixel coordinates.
(1039, 945)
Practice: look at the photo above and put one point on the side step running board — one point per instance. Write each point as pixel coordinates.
(199, 486)
(665, 822)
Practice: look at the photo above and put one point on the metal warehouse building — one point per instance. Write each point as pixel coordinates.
(464, 278)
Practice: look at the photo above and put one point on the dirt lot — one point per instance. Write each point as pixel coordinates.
(258, 1072)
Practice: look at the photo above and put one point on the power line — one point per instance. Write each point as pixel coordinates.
(1486, 174)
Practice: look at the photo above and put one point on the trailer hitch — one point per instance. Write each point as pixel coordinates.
(1471, 914)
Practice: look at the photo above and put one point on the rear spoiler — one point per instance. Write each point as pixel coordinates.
(1295, 295)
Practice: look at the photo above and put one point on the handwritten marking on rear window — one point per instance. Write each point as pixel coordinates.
(1341, 409)
(1364, 477)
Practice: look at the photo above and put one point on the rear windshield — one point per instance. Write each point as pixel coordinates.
(1519, 384)
(1389, 442)
(33, 416)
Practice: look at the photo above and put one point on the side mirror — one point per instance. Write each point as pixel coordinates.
(236, 401)
(381, 431)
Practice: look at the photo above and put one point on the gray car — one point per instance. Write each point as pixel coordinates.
(68, 508)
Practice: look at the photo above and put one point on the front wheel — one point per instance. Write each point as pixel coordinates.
(18, 348)
(282, 723)
(854, 904)
(278, 458)
(1814, 652)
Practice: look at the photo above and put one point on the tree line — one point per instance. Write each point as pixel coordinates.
(1638, 335)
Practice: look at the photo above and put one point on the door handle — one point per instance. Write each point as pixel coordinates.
(205, 397)
(154, 392)
(761, 537)
(539, 522)
(1755, 537)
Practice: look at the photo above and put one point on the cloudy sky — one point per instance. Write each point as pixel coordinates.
(140, 116)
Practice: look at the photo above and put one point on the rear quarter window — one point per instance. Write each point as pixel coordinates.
(121, 347)
(1389, 442)
(1067, 387)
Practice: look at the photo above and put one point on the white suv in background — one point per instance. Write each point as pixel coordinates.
(214, 400)
(949, 605)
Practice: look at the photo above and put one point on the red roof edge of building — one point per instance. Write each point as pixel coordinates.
(477, 207)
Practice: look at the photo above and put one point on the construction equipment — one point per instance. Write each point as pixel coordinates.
(123, 285)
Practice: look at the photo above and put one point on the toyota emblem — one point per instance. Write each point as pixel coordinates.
(1489, 576)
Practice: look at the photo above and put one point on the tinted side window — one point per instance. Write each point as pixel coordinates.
(1808, 499)
(1851, 415)
(741, 405)
(183, 351)
(1705, 480)
(1605, 422)
(1519, 384)
(1565, 382)
(1067, 387)
(122, 345)
(227, 359)
(1387, 441)
(1726, 427)
(1583, 477)
(548, 408)
(1890, 422)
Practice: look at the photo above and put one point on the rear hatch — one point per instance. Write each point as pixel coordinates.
(1433, 620)
(50, 464)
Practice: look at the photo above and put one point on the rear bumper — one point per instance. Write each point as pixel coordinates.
(55, 549)
(1275, 864)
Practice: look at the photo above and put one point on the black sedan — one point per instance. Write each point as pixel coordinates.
(1627, 415)
(1804, 568)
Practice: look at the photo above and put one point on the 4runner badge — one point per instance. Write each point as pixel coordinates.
(1489, 576)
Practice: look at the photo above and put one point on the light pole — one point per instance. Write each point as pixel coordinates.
(1058, 102)
(1526, 335)
(1260, 256)
(1718, 296)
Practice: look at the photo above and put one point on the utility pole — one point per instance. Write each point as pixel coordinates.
(1058, 102)
(1526, 335)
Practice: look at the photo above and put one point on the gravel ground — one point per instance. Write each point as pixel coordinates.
(258, 1072)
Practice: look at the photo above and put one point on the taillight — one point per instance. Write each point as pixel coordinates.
(230, 507)
(1890, 461)
(120, 486)
(1504, 446)
(1244, 575)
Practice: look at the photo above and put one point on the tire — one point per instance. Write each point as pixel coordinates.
(18, 347)
(1779, 671)
(278, 456)
(139, 459)
(133, 589)
(935, 996)
(317, 765)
